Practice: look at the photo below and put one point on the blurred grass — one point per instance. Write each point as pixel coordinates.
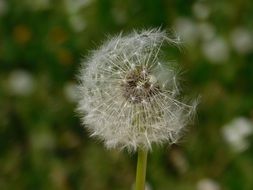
(43, 146)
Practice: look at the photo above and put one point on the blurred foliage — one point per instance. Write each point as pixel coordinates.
(43, 145)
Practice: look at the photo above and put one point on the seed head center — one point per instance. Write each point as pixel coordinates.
(139, 86)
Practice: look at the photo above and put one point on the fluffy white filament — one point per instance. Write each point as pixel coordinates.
(128, 96)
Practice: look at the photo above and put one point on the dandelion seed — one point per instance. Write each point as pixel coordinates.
(128, 95)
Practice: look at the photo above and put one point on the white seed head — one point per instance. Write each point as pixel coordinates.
(127, 95)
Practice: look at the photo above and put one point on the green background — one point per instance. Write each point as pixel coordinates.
(43, 145)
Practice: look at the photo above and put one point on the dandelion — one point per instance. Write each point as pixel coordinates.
(241, 40)
(207, 184)
(129, 95)
(21, 83)
(236, 132)
(216, 50)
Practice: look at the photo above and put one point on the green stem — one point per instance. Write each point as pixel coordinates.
(141, 169)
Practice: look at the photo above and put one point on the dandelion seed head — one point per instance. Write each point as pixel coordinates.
(128, 96)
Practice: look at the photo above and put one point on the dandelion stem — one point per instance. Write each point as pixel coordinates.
(141, 169)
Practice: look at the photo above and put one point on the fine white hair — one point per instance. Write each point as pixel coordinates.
(129, 96)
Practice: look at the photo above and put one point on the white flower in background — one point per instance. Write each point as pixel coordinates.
(200, 10)
(207, 184)
(206, 31)
(242, 40)
(70, 92)
(187, 30)
(3, 7)
(128, 96)
(73, 9)
(216, 50)
(236, 132)
(21, 83)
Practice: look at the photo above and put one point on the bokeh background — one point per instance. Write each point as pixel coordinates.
(43, 145)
